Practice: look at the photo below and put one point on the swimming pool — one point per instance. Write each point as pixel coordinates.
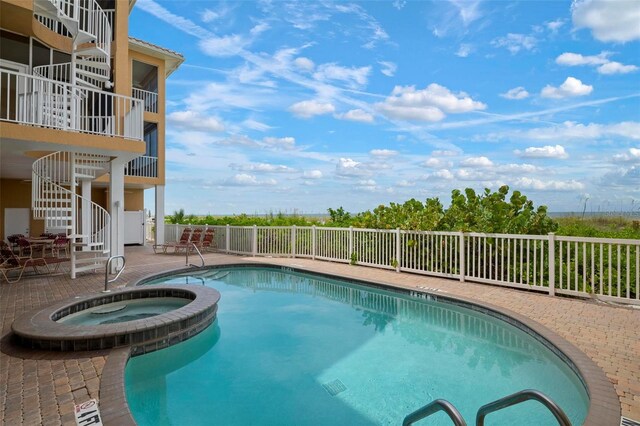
(299, 349)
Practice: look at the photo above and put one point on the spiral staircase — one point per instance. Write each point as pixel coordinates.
(56, 177)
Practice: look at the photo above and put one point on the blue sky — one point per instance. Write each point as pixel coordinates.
(302, 106)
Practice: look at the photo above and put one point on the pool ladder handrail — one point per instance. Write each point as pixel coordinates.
(432, 408)
(517, 398)
(107, 268)
(197, 251)
(513, 399)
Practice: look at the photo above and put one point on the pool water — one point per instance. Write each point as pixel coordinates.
(295, 349)
(127, 310)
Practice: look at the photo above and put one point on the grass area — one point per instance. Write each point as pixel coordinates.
(599, 227)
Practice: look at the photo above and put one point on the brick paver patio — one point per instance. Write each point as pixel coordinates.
(42, 387)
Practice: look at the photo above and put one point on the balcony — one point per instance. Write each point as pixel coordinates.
(149, 99)
(37, 101)
(142, 166)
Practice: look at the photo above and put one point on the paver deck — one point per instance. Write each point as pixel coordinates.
(38, 387)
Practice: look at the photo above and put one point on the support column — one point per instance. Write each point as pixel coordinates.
(86, 211)
(116, 206)
(159, 234)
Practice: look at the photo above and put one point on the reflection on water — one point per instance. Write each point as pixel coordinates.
(286, 334)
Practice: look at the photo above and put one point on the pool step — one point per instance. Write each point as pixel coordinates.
(624, 421)
(334, 387)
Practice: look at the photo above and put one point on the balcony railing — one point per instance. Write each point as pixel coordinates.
(142, 166)
(150, 99)
(37, 101)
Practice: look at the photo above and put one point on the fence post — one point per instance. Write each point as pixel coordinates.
(461, 257)
(313, 242)
(254, 241)
(350, 243)
(552, 264)
(398, 250)
(293, 241)
(227, 237)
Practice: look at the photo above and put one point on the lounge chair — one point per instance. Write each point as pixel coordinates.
(12, 263)
(194, 239)
(207, 241)
(184, 239)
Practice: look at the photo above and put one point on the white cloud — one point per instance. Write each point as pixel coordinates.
(399, 4)
(305, 64)
(436, 163)
(477, 162)
(548, 185)
(605, 66)
(354, 77)
(244, 179)
(514, 43)
(347, 167)
(516, 93)
(609, 21)
(262, 168)
(616, 68)
(631, 156)
(468, 10)
(517, 168)
(209, 15)
(195, 121)
(229, 45)
(573, 130)
(356, 115)
(368, 182)
(476, 175)
(554, 26)
(383, 153)
(256, 125)
(312, 174)
(464, 50)
(280, 143)
(429, 104)
(570, 88)
(388, 68)
(444, 153)
(443, 174)
(547, 151)
(574, 59)
(307, 109)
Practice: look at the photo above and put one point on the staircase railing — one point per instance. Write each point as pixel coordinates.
(57, 72)
(53, 201)
(39, 101)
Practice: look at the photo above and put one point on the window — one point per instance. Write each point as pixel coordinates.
(151, 139)
(14, 47)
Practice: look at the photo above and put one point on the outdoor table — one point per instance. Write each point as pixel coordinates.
(41, 243)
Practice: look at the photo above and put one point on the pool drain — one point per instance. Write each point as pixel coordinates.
(334, 387)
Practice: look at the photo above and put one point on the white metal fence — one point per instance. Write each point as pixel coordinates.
(605, 268)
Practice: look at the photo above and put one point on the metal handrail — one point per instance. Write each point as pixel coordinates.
(522, 396)
(432, 408)
(106, 271)
(199, 254)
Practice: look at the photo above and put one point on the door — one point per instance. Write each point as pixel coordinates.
(134, 227)
(16, 221)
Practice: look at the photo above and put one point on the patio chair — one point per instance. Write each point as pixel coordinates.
(24, 248)
(184, 239)
(59, 244)
(188, 245)
(12, 263)
(13, 240)
(207, 241)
